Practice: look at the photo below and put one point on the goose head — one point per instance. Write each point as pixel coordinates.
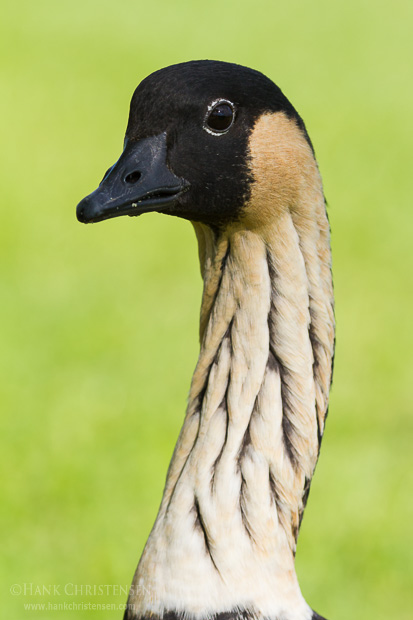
(188, 146)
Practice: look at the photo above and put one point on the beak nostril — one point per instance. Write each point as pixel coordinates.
(133, 177)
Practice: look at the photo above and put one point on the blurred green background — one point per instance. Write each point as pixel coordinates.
(99, 323)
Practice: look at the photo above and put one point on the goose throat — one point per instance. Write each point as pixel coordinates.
(240, 475)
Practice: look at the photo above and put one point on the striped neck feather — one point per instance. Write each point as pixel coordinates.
(225, 536)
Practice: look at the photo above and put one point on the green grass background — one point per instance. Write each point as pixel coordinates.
(99, 323)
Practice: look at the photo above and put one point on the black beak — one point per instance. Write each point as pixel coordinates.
(139, 182)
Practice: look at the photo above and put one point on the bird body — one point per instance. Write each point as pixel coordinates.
(224, 541)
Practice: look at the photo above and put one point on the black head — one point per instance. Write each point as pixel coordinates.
(186, 144)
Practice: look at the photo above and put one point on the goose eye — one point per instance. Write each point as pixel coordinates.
(220, 118)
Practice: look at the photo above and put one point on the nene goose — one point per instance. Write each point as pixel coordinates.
(220, 145)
